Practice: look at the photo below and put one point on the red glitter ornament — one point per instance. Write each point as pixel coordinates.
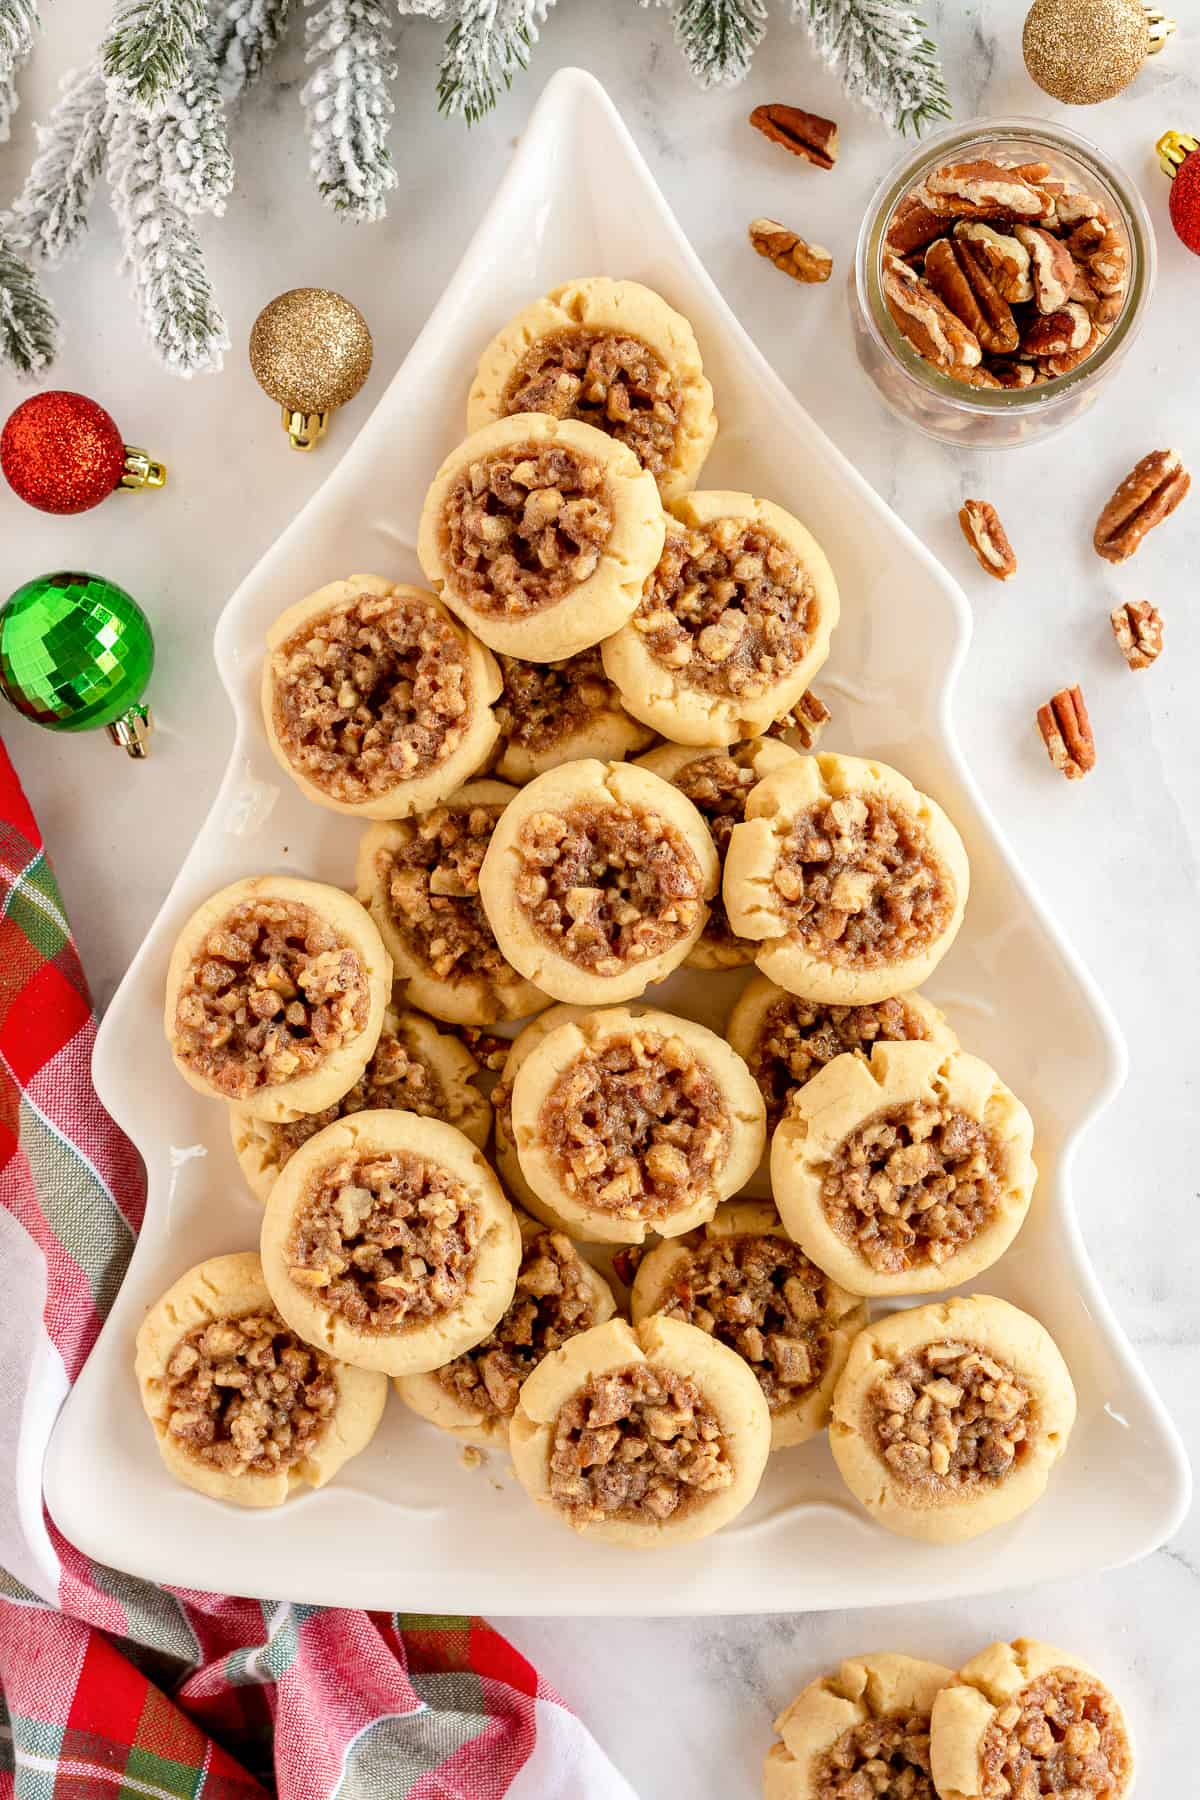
(62, 453)
(1179, 154)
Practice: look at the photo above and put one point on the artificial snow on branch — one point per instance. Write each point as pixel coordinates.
(18, 28)
(719, 37)
(348, 104)
(488, 43)
(193, 146)
(28, 327)
(885, 56)
(50, 213)
(242, 38)
(147, 48)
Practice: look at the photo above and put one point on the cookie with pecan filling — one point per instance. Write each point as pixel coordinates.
(904, 1172)
(741, 1279)
(732, 625)
(948, 1419)
(539, 533)
(375, 700)
(597, 881)
(647, 1435)
(860, 1731)
(242, 1408)
(414, 1068)
(718, 783)
(625, 1123)
(275, 995)
(1025, 1718)
(388, 1241)
(852, 883)
(557, 712)
(558, 1295)
(419, 879)
(615, 355)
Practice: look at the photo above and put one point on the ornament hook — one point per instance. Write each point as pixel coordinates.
(141, 470)
(304, 429)
(132, 731)
(1174, 148)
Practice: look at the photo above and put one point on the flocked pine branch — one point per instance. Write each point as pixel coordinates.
(193, 145)
(147, 47)
(49, 215)
(18, 27)
(488, 44)
(719, 37)
(885, 56)
(28, 327)
(242, 38)
(348, 104)
(8, 104)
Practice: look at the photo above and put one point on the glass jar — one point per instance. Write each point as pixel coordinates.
(985, 417)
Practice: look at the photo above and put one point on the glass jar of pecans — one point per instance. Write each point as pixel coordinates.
(1003, 269)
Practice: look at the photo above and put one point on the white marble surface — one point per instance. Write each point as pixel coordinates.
(685, 1706)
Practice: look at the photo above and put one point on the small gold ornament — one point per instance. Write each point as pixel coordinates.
(1085, 51)
(311, 351)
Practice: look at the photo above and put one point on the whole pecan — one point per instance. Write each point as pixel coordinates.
(1051, 267)
(953, 271)
(801, 260)
(803, 133)
(1148, 495)
(988, 539)
(1138, 629)
(1067, 733)
(984, 190)
(1003, 256)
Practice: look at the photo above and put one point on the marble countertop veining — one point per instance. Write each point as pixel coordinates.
(685, 1706)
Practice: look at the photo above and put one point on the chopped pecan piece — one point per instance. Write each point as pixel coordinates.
(803, 133)
(1052, 334)
(1003, 256)
(801, 260)
(806, 721)
(988, 539)
(962, 280)
(1138, 629)
(984, 190)
(912, 225)
(1051, 267)
(926, 321)
(1014, 374)
(1149, 494)
(1067, 733)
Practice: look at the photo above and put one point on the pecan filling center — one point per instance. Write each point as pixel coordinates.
(860, 884)
(524, 527)
(397, 1076)
(270, 994)
(640, 1444)
(543, 703)
(950, 1417)
(881, 1759)
(798, 1037)
(762, 1297)
(371, 695)
(729, 606)
(608, 380)
(717, 787)
(637, 1128)
(553, 1302)
(1062, 1734)
(608, 885)
(912, 1185)
(385, 1239)
(432, 871)
(245, 1395)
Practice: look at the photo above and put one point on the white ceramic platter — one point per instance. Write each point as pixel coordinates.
(406, 1525)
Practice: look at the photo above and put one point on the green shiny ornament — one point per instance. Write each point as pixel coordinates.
(76, 652)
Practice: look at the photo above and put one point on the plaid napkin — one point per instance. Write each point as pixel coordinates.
(110, 1688)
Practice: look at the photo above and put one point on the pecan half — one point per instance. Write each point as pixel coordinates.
(805, 723)
(1108, 263)
(926, 321)
(1053, 334)
(801, 260)
(988, 539)
(953, 271)
(1148, 495)
(984, 190)
(1015, 374)
(912, 224)
(1051, 267)
(803, 133)
(1003, 256)
(1067, 733)
(1138, 629)
(1065, 360)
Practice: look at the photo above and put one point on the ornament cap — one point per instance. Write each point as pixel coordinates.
(132, 732)
(141, 470)
(1161, 27)
(1173, 149)
(304, 429)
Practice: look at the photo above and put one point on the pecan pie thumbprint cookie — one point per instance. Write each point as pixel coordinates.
(539, 532)
(852, 883)
(243, 1408)
(616, 356)
(597, 881)
(905, 1172)
(375, 699)
(388, 1241)
(948, 1419)
(275, 998)
(557, 712)
(558, 1296)
(732, 625)
(643, 1435)
(1025, 1718)
(626, 1122)
(859, 1733)
(741, 1279)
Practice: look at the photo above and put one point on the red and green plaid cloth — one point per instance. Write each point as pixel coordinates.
(110, 1688)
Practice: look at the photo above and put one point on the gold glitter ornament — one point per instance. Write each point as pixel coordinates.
(311, 351)
(1085, 51)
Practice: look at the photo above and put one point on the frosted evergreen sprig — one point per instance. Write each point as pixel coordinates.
(488, 44)
(49, 215)
(243, 35)
(28, 327)
(349, 105)
(719, 37)
(148, 45)
(193, 144)
(19, 22)
(885, 56)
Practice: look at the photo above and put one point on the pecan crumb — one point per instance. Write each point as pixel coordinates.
(805, 723)
(988, 539)
(803, 133)
(1148, 495)
(1138, 629)
(1067, 733)
(471, 1458)
(790, 253)
(489, 1049)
